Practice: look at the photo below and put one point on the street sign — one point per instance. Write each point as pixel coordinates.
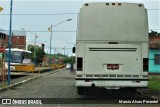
(1, 9)
(2, 49)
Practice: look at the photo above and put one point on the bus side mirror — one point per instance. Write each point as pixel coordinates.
(73, 49)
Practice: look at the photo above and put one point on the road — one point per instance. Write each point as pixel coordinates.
(60, 87)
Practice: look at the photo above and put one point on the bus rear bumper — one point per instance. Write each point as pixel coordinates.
(112, 83)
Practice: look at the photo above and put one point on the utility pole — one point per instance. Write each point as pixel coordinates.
(1, 9)
(9, 42)
(17, 42)
(64, 51)
(50, 30)
(50, 47)
(35, 50)
(36, 36)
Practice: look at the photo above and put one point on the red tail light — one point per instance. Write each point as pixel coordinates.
(79, 64)
(112, 66)
(145, 64)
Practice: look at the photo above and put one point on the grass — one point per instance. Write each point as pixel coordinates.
(154, 83)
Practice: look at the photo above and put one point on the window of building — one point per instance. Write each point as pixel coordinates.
(157, 59)
(2, 36)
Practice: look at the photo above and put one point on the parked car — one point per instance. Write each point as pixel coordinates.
(68, 66)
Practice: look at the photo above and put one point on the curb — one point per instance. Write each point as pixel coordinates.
(18, 83)
(149, 96)
(54, 71)
(25, 81)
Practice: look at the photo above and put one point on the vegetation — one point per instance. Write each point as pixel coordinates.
(1, 57)
(66, 58)
(154, 83)
(56, 56)
(154, 33)
(39, 53)
(70, 60)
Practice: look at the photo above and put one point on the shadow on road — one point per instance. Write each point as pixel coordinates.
(112, 94)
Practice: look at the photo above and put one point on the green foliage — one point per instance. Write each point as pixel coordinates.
(39, 53)
(1, 57)
(70, 60)
(154, 33)
(56, 56)
(1, 64)
(66, 58)
(154, 83)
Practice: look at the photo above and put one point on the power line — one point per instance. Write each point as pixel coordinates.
(153, 9)
(154, 29)
(60, 48)
(63, 31)
(44, 31)
(54, 31)
(60, 13)
(45, 14)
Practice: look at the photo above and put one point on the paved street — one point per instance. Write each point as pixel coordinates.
(55, 85)
(61, 87)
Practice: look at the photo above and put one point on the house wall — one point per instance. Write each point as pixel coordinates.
(153, 68)
(17, 41)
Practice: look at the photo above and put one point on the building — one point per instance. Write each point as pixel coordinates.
(154, 54)
(18, 39)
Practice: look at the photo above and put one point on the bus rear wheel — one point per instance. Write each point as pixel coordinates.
(80, 90)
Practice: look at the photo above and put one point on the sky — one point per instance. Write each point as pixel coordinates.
(38, 15)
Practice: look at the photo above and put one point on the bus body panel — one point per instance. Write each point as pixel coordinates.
(127, 56)
(18, 57)
(111, 45)
(113, 84)
(127, 22)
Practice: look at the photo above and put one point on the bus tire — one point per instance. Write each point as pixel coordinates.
(80, 90)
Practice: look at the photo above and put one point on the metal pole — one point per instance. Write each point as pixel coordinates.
(35, 50)
(51, 40)
(1, 9)
(17, 41)
(61, 22)
(64, 51)
(9, 42)
(50, 49)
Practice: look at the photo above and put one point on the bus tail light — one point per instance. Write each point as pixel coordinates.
(138, 81)
(112, 66)
(79, 64)
(145, 64)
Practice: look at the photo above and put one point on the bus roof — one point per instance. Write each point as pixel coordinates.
(113, 22)
(20, 50)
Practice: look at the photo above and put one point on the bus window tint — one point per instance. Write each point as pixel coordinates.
(29, 55)
(26, 55)
(17, 57)
(6, 58)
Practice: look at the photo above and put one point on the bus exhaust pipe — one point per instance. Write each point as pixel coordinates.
(93, 86)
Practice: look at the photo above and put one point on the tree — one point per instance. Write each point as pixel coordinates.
(39, 53)
(154, 33)
(70, 60)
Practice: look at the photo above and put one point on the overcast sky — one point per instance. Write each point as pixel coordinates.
(38, 15)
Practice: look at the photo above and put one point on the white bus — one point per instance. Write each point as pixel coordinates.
(112, 46)
(18, 57)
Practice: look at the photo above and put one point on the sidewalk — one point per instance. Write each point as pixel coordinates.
(23, 79)
(150, 93)
(18, 81)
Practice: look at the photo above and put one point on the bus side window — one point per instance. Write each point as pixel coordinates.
(23, 55)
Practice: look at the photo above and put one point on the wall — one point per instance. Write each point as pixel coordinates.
(152, 67)
(17, 41)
